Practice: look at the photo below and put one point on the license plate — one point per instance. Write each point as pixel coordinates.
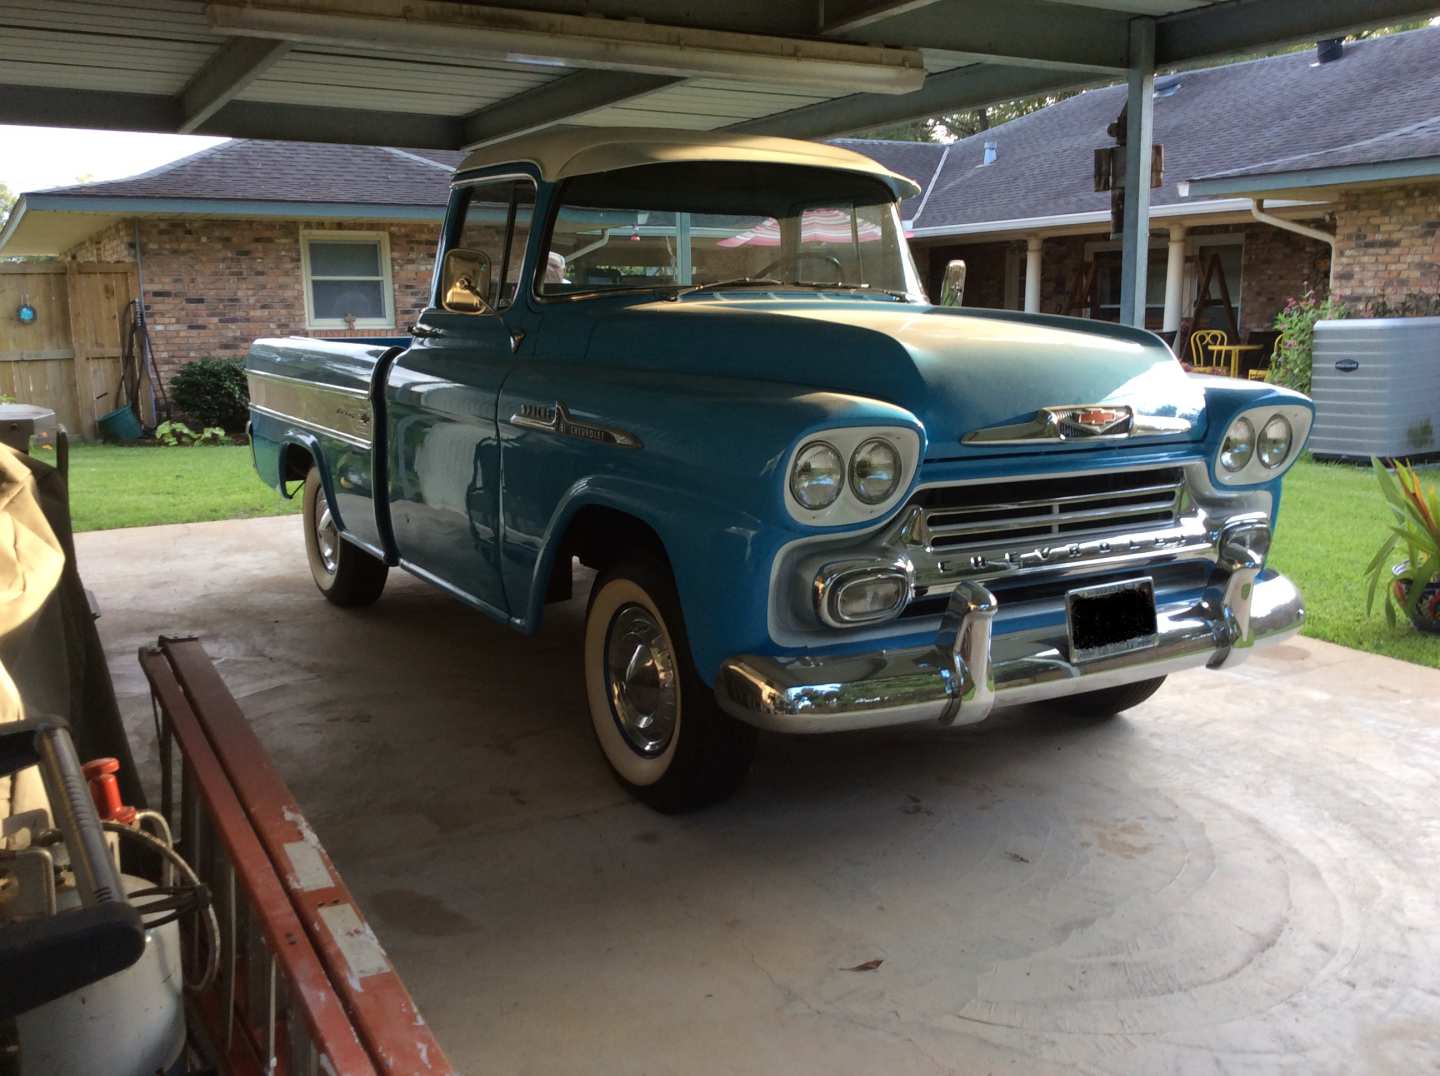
(1112, 618)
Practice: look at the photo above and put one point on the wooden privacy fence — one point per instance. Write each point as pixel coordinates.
(68, 358)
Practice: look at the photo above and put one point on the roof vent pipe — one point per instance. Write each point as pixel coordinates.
(992, 150)
(1329, 50)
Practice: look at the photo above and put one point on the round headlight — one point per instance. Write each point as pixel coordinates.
(818, 476)
(1275, 440)
(875, 471)
(1238, 446)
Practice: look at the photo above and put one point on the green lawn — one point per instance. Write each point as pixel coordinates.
(118, 486)
(1332, 519)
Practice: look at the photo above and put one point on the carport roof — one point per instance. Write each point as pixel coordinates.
(448, 75)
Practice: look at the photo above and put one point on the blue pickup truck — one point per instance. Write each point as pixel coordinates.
(704, 367)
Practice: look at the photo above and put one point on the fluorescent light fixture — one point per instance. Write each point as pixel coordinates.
(545, 38)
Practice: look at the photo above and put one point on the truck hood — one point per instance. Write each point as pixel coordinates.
(957, 371)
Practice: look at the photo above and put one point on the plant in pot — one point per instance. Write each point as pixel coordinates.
(1414, 583)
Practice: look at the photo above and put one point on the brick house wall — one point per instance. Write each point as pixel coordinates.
(1388, 244)
(213, 286)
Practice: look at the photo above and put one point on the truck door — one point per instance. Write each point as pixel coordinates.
(441, 395)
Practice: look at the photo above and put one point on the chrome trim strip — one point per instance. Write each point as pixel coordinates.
(807, 694)
(313, 427)
(1112, 422)
(557, 420)
(344, 390)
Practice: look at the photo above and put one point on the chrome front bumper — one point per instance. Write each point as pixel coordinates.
(971, 668)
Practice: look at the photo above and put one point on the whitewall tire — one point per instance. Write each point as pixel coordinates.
(656, 722)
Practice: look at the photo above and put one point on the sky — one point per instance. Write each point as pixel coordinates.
(32, 158)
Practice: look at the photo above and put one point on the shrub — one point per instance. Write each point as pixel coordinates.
(172, 434)
(1417, 529)
(212, 392)
(1296, 322)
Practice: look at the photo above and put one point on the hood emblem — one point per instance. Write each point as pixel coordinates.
(1079, 422)
(1093, 421)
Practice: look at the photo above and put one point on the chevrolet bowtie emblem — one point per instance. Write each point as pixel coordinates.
(1092, 421)
(1077, 422)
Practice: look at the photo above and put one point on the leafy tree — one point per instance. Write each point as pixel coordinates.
(7, 199)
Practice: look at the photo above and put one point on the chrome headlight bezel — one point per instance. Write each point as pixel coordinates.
(849, 507)
(1256, 471)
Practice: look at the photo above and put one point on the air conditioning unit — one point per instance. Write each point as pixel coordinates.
(1376, 386)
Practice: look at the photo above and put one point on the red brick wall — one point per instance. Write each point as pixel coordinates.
(115, 243)
(1388, 244)
(213, 286)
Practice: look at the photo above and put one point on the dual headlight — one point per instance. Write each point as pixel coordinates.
(1259, 444)
(850, 474)
(819, 475)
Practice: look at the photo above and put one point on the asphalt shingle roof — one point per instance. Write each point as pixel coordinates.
(253, 170)
(1219, 119)
(1405, 144)
(913, 160)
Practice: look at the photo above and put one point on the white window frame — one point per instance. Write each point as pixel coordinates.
(387, 287)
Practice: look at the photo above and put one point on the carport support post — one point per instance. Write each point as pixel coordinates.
(1139, 134)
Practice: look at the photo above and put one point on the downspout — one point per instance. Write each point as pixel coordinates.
(1257, 210)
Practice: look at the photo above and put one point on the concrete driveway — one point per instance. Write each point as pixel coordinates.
(1238, 876)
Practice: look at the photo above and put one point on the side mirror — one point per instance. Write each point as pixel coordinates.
(465, 282)
(952, 289)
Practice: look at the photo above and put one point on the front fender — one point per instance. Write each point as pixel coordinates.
(720, 557)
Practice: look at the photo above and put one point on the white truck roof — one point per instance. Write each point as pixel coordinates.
(560, 152)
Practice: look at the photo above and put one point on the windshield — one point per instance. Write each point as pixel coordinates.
(726, 224)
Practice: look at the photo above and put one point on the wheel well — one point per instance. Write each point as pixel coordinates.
(599, 537)
(295, 463)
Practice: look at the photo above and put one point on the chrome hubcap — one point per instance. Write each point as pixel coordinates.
(641, 680)
(327, 538)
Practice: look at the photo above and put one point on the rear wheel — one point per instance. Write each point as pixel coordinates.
(345, 573)
(656, 722)
(1108, 701)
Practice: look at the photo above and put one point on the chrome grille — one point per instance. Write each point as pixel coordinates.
(1049, 510)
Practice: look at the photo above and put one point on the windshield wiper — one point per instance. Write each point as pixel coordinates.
(733, 282)
(840, 285)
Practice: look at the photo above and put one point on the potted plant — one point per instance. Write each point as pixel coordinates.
(1415, 581)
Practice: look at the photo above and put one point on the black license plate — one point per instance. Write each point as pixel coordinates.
(1112, 618)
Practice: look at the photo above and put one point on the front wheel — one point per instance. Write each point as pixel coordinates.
(1108, 701)
(656, 722)
(345, 573)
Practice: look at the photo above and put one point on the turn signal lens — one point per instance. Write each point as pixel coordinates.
(870, 598)
(1238, 446)
(1275, 440)
(818, 476)
(875, 471)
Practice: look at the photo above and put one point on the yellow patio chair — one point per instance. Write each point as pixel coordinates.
(1260, 373)
(1201, 362)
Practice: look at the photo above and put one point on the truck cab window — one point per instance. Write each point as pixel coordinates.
(496, 219)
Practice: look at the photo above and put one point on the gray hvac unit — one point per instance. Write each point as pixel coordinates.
(1376, 386)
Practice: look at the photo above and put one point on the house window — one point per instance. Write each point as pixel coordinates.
(347, 280)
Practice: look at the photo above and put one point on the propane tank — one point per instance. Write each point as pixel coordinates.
(131, 1023)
